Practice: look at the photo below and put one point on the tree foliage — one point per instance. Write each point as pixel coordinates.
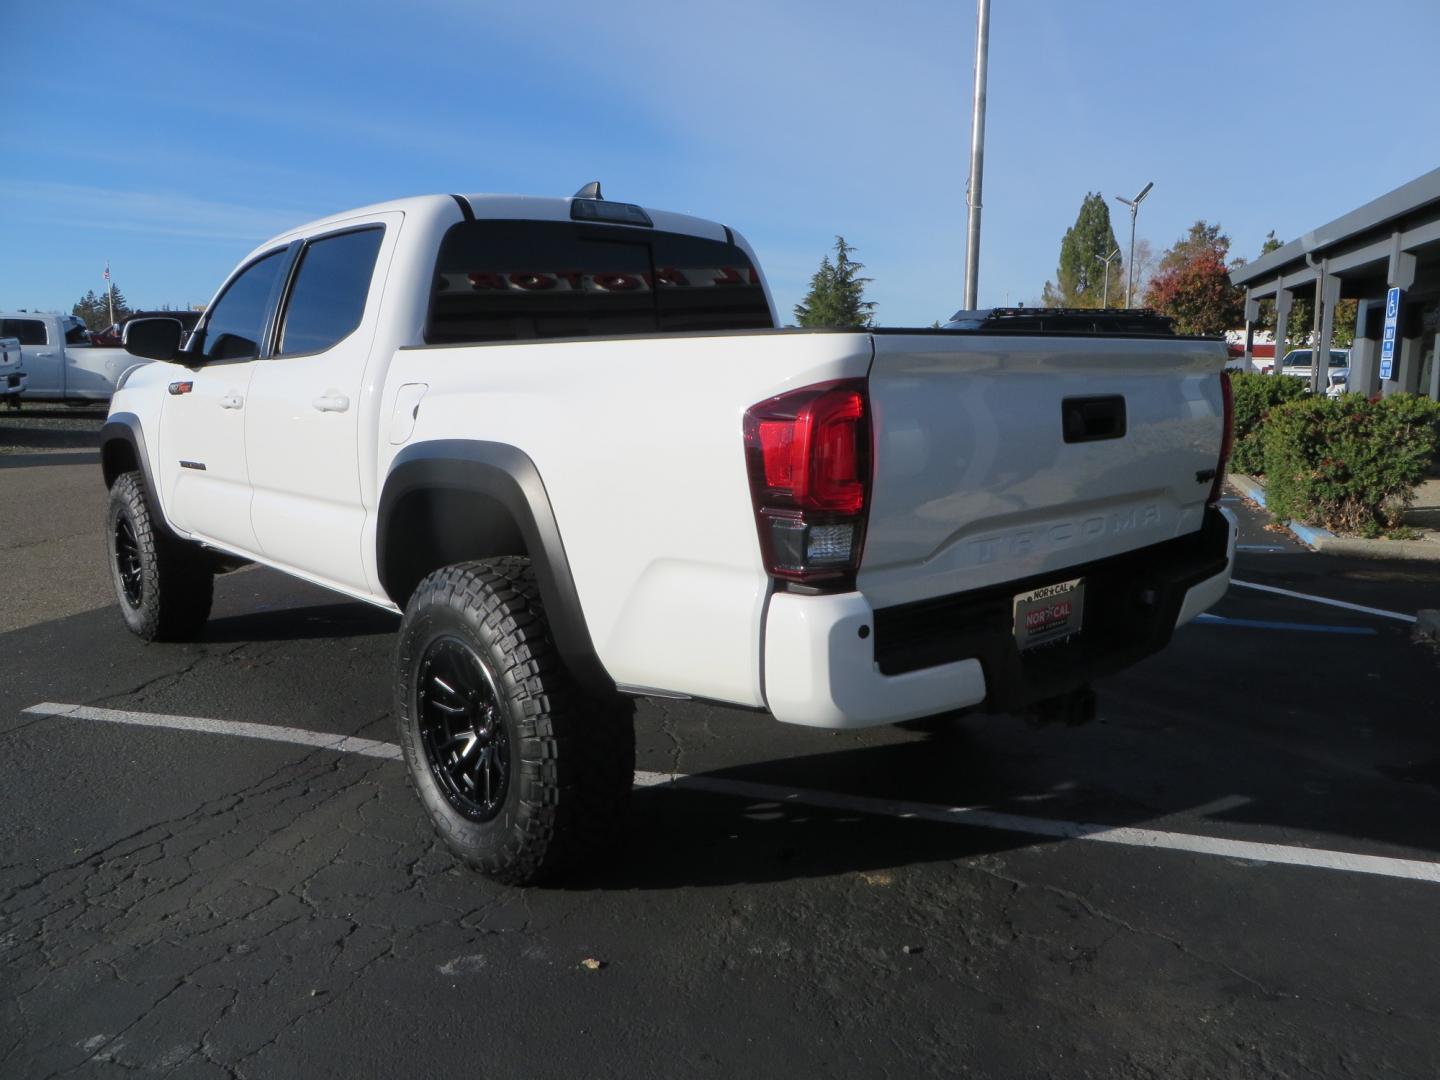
(94, 309)
(1192, 283)
(837, 292)
(1080, 277)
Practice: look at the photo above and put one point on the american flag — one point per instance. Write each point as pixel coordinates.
(107, 269)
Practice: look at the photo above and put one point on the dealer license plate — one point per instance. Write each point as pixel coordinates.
(1049, 613)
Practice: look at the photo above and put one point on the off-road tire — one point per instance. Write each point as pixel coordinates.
(164, 585)
(571, 755)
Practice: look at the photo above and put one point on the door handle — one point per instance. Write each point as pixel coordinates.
(44, 355)
(331, 402)
(232, 400)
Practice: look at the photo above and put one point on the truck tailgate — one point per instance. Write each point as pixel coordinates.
(1002, 457)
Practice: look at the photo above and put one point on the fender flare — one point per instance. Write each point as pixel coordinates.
(505, 474)
(125, 427)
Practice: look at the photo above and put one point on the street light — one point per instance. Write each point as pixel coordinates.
(1134, 205)
(977, 157)
(1105, 300)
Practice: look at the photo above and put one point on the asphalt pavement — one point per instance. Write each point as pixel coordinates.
(1233, 872)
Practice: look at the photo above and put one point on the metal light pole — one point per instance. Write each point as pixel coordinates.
(1105, 297)
(1134, 205)
(977, 158)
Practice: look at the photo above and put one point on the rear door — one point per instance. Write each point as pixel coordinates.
(1000, 457)
(302, 422)
(43, 359)
(203, 477)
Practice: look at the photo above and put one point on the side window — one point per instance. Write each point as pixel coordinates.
(236, 322)
(76, 335)
(29, 331)
(328, 298)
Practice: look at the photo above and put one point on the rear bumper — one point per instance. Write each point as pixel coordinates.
(835, 662)
(13, 382)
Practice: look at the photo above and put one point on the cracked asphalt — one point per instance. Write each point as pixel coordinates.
(187, 904)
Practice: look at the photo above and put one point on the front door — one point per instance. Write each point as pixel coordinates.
(205, 485)
(302, 421)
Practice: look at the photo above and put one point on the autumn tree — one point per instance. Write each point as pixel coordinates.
(1192, 283)
(1080, 277)
(837, 293)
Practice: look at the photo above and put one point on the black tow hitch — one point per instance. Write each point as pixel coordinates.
(1072, 709)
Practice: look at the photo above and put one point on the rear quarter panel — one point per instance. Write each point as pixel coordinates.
(640, 445)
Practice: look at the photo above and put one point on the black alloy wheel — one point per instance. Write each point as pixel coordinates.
(525, 776)
(127, 562)
(462, 728)
(163, 583)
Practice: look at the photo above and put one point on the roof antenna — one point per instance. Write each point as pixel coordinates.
(589, 191)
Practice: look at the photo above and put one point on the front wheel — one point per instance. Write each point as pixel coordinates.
(523, 776)
(165, 585)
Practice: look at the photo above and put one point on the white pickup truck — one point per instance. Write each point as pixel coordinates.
(566, 440)
(59, 360)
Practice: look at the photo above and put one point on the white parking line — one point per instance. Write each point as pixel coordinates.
(1324, 600)
(975, 817)
(346, 744)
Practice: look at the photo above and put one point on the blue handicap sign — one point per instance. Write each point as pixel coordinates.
(1388, 335)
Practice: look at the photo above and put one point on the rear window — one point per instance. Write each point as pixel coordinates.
(29, 331)
(524, 280)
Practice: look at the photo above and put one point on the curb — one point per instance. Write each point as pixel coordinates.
(1326, 541)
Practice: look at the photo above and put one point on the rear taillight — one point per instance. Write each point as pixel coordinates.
(1227, 400)
(808, 453)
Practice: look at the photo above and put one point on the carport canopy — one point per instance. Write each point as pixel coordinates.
(1392, 242)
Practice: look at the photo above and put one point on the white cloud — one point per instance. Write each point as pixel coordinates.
(164, 213)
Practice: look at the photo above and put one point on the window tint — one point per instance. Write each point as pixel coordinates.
(706, 285)
(76, 335)
(237, 320)
(508, 280)
(328, 297)
(29, 331)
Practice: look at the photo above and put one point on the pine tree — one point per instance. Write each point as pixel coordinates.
(1080, 277)
(92, 311)
(837, 293)
(122, 307)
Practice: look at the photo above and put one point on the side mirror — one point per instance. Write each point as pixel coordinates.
(153, 339)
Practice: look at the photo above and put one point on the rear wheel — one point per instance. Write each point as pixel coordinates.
(523, 775)
(165, 585)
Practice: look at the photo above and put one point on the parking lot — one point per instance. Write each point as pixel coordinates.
(212, 866)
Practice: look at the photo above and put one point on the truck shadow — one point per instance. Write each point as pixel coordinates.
(313, 622)
(1270, 753)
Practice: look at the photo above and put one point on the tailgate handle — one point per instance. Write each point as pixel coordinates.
(1089, 419)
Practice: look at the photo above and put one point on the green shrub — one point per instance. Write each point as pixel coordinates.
(1349, 464)
(1255, 396)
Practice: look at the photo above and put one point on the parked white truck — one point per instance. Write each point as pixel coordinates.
(59, 360)
(565, 438)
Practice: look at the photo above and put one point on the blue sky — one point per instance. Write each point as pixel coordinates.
(172, 138)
